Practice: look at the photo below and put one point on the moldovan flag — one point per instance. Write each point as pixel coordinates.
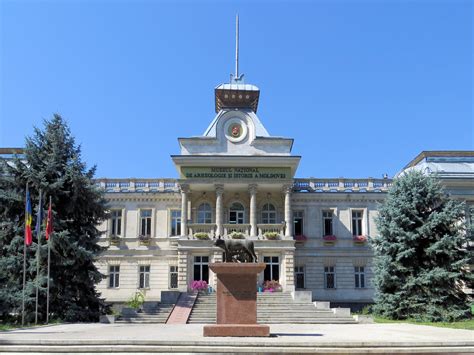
(49, 222)
(28, 219)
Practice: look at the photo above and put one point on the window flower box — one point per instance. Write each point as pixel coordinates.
(114, 239)
(237, 235)
(359, 239)
(201, 236)
(144, 239)
(271, 235)
(301, 238)
(329, 239)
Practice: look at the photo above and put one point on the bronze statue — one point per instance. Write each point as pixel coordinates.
(237, 251)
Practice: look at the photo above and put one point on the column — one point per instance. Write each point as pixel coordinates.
(219, 210)
(288, 221)
(184, 209)
(253, 210)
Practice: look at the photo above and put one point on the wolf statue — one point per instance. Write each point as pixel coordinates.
(236, 250)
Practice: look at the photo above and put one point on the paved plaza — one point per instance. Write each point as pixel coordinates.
(305, 338)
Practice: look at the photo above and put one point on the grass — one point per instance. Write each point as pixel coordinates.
(9, 326)
(466, 324)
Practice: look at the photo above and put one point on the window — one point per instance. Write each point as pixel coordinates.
(173, 276)
(298, 222)
(116, 221)
(329, 277)
(272, 270)
(236, 213)
(114, 276)
(145, 222)
(144, 276)
(201, 268)
(299, 276)
(175, 222)
(359, 273)
(327, 223)
(268, 214)
(356, 222)
(204, 214)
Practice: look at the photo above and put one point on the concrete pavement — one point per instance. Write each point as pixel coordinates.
(304, 338)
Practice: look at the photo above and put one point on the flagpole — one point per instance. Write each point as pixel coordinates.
(24, 265)
(49, 262)
(38, 235)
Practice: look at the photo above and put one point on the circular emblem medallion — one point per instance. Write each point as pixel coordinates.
(235, 130)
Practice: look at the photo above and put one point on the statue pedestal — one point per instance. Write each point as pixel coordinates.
(237, 301)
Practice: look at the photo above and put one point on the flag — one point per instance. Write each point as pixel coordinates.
(28, 218)
(39, 217)
(49, 221)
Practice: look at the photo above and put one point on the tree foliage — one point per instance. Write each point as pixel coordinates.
(51, 162)
(420, 255)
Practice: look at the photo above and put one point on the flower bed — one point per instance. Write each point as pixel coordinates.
(199, 285)
(272, 286)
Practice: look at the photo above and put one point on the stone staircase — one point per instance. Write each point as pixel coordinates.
(153, 312)
(272, 308)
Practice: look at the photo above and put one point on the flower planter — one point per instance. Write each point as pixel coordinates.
(359, 239)
(329, 239)
(108, 319)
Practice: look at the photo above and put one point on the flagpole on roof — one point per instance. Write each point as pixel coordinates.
(24, 261)
(49, 229)
(38, 236)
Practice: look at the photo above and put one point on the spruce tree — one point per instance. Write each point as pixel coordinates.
(420, 262)
(51, 162)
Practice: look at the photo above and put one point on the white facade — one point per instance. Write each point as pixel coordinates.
(236, 177)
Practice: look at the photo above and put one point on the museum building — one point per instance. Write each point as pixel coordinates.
(237, 181)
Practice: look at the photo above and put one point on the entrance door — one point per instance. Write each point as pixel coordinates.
(236, 213)
(201, 268)
(272, 269)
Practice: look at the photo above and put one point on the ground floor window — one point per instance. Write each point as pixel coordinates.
(173, 276)
(114, 276)
(201, 268)
(272, 269)
(359, 273)
(329, 277)
(299, 276)
(144, 276)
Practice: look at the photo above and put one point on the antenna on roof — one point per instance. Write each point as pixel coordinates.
(236, 76)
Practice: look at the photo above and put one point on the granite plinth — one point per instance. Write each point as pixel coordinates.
(237, 300)
(236, 330)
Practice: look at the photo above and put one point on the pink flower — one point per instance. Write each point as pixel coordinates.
(329, 238)
(300, 237)
(360, 238)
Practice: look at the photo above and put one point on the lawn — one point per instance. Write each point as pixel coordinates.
(467, 324)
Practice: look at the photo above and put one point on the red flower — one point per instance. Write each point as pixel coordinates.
(329, 238)
(359, 238)
(300, 237)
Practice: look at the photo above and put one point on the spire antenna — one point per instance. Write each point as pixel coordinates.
(237, 46)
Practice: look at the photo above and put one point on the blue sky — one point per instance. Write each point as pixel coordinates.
(362, 86)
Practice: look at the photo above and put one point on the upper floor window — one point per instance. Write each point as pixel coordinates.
(236, 213)
(204, 213)
(145, 222)
(327, 223)
(175, 222)
(356, 222)
(116, 222)
(144, 276)
(114, 276)
(298, 222)
(268, 214)
(359, 273)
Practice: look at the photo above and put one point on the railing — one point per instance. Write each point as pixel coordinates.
(240, 228)
(208, 228)
(271, 228)
(342, 185)
(138, 185)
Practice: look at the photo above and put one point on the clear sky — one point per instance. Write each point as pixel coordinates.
(362, 86)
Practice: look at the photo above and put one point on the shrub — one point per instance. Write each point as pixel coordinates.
(201, 236)
(237, 235)
(271, 286)
(136, 301)
(271, 235)
(199, 285)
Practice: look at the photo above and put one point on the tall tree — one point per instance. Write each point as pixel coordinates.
(52, 162)
(420, 255)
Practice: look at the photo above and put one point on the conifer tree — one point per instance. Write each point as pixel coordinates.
(420, 262)
(51, 162)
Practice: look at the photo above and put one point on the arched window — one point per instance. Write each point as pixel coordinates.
(236, 213)
(269, 215)
(204, 213)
